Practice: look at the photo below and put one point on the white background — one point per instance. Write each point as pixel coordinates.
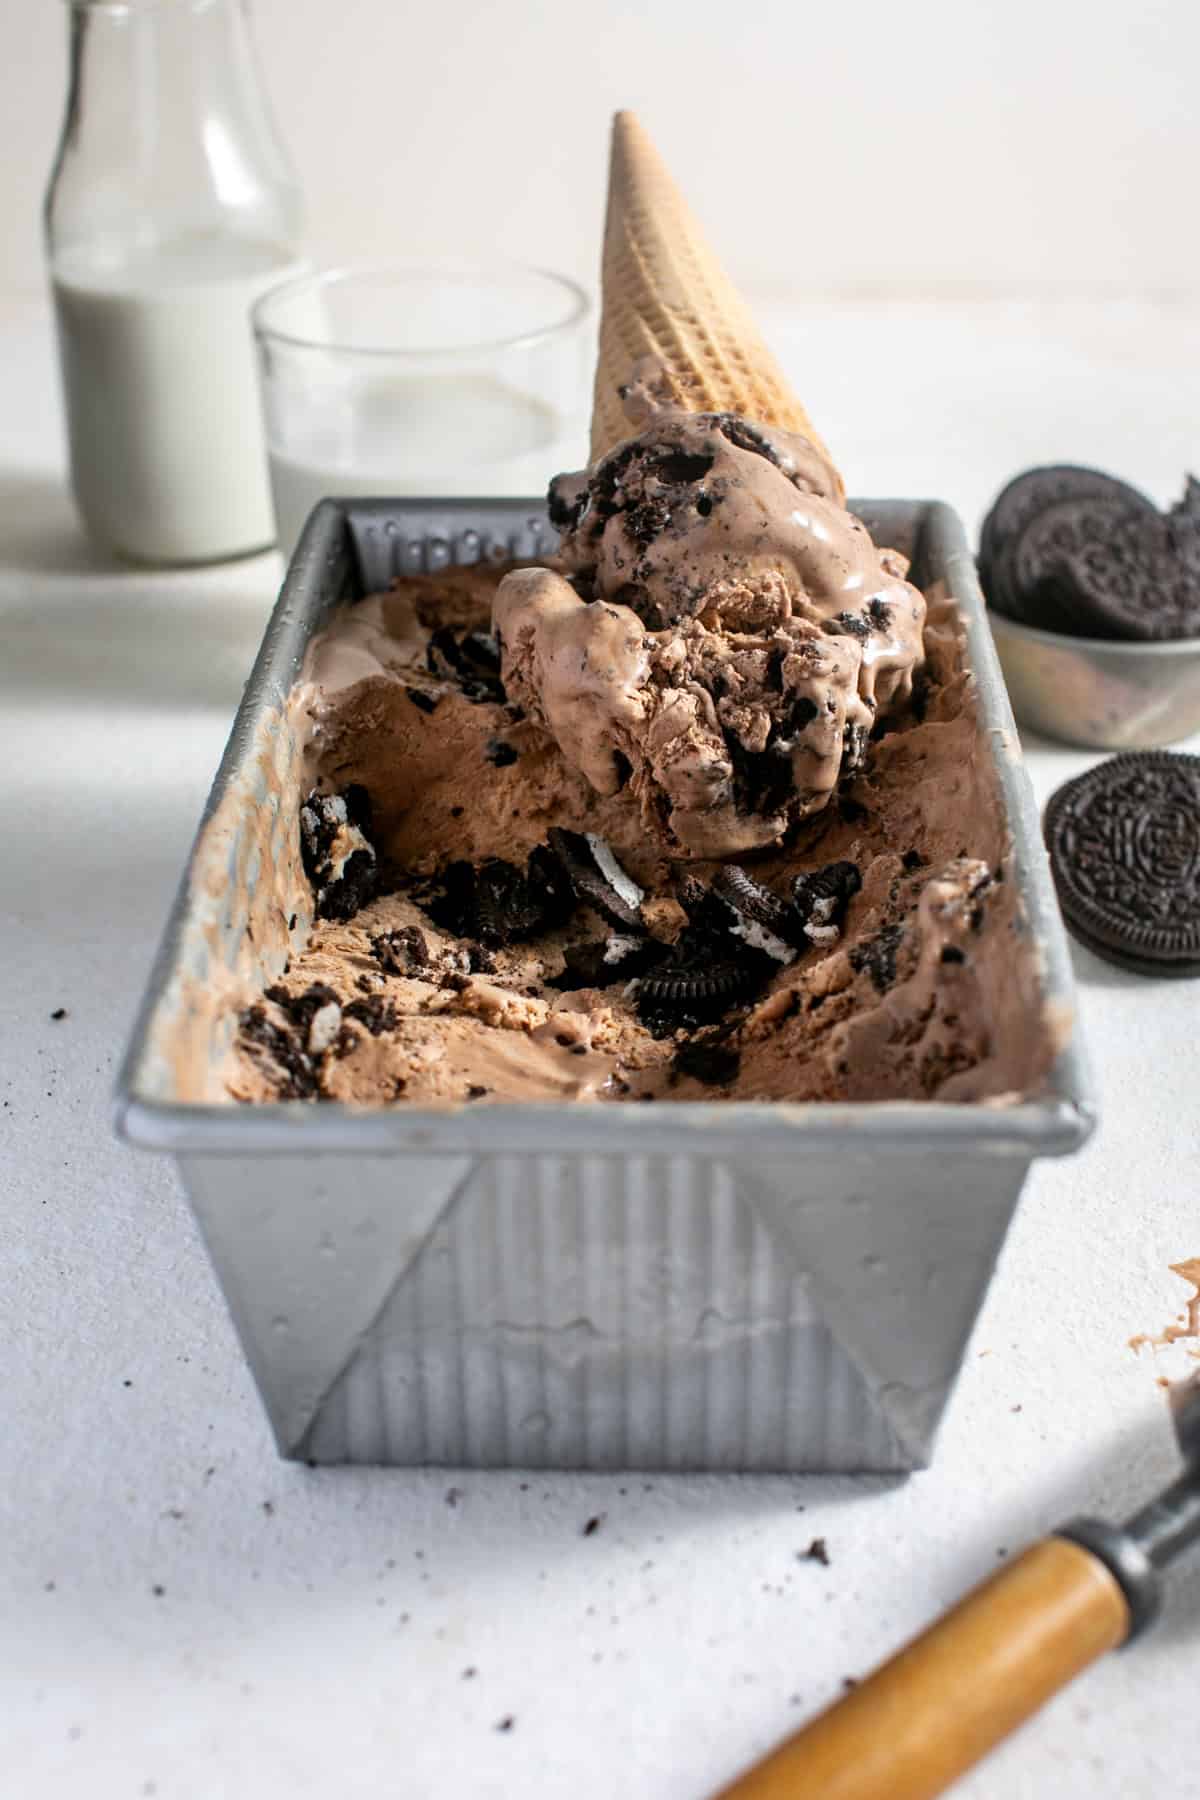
(1034, 145)
(183, 1616)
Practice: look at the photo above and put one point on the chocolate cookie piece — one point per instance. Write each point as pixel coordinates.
(338, 857)
(597, 877)
(499, 903)
(377, 1014)
(707, 1059)
(603, 962)
(1026, 496)
(472, 660)
(1184, 521)
(877, 957)
(279, 1053)
(686, 995)
(759, 917)
(738, 936)
(1124, 843)
(1041, 563)
(821, 898)
(1134, 582)
(302, 1009)
(402, 952)
(707, 971)
(783, 929)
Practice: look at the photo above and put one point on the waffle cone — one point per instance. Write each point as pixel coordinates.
(665, 295)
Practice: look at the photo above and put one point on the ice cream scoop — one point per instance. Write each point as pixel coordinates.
(923, 1718)
(720, 632)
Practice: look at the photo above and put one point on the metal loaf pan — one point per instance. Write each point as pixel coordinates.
(684, 1286)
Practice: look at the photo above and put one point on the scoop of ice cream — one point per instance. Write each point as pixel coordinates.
(723, 635)
(722, 736)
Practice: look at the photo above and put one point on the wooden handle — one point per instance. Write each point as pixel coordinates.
(951, 1695)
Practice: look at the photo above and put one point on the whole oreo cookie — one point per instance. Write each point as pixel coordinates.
(1124, 843)
(1025, 498)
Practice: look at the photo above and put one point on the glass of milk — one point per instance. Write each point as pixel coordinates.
(387, 379)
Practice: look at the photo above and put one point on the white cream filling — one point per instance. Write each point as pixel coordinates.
(823, 934)
(348, 841)
(759, 938)
(618, 948)
(624, 885)
(323, 1028)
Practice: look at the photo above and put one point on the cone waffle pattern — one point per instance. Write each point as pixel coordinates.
(665, 295)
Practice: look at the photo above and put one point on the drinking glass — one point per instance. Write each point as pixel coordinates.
(463, 379)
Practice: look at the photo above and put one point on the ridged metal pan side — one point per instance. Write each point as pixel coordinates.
(576, 1311)
(423, 537)
(321, 575)
(944, 541)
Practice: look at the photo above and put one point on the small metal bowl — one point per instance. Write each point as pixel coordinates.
(1106, 694)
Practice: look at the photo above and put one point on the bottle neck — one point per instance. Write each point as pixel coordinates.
(167, 133)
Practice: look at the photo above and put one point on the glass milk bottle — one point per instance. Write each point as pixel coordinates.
(171, 209)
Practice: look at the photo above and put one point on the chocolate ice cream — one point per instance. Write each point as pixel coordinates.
(721, 635)
(520, 935)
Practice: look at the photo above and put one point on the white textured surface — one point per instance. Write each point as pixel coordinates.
(188, 1618)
